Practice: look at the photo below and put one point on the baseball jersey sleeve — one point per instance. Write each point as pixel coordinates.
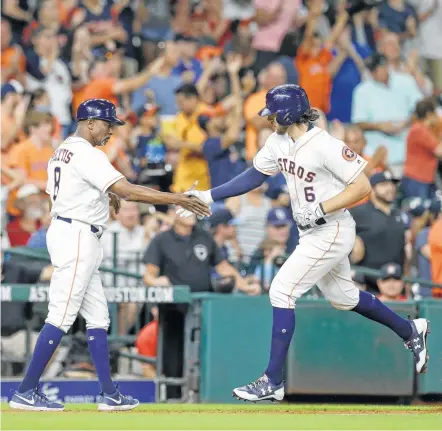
(99, 171)
(342, 161)
(265, 162)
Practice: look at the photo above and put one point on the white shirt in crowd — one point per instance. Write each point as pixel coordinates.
(58, 85)
(130, 247)
(430, 31)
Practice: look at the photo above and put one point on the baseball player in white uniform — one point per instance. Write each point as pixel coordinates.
(80, 177)
(323, 176)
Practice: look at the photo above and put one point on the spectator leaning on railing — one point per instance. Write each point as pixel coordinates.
(184, 255)
(390, 284)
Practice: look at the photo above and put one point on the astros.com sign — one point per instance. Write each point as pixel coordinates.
(113, 294)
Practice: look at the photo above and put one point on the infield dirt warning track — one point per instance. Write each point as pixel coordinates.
(230, 417)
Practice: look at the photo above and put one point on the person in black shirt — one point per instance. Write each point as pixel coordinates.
(184, 255)
(380, 228)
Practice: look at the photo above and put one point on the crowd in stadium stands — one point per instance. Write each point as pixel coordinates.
(189, 77)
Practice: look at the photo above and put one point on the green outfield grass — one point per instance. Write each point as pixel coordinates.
(229, 417)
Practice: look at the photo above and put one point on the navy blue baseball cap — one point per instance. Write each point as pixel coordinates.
(279, 217)
(382, 177)
(390, 270)
(222, 216)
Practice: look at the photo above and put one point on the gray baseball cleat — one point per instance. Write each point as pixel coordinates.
(260, 390)
(418, 343)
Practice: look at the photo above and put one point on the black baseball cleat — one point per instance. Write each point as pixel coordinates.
(260, 390)
(418, 343)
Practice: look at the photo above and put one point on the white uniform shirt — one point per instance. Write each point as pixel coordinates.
(131, 245)
(316, 167)
(78, 177)
(58, 85)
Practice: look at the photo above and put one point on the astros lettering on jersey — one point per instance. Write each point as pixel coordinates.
(316, 167)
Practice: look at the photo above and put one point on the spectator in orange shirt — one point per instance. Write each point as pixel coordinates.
(314, 59)
(13, 60)
(258, 128)
(435, 242)
(102, 85)
(31, 156)
(147, 342)
(423, 152)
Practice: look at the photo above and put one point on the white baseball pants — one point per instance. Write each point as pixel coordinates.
(321, 258)
(76, 255)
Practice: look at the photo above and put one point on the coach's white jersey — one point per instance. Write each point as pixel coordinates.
(78, 177)
(316, 167)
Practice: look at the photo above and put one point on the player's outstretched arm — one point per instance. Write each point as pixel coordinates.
(353, 193)
(132, 192)
(241, 184)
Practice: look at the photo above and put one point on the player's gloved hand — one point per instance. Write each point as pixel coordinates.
(310, 216)
(205, 196)
(192, 204)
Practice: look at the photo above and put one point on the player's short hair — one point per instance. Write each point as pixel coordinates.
(309, 116)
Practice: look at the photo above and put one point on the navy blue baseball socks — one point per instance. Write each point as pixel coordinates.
(270, 386)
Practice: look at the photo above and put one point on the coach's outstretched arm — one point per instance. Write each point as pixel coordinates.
(131, 192)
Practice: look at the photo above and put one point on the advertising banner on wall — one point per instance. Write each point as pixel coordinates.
(83, 391)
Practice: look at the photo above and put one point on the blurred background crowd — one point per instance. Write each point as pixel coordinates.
(189, 77)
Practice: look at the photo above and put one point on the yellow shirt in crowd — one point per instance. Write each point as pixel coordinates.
(191, 165)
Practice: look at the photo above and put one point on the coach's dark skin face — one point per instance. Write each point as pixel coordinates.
(97, 132)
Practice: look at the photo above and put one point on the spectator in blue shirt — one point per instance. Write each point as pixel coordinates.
(399, 17)
(188, 64)
(162, 85)
(348, 76)
(383, 107)
(149, 157)
(222, 158)
(223, 132)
